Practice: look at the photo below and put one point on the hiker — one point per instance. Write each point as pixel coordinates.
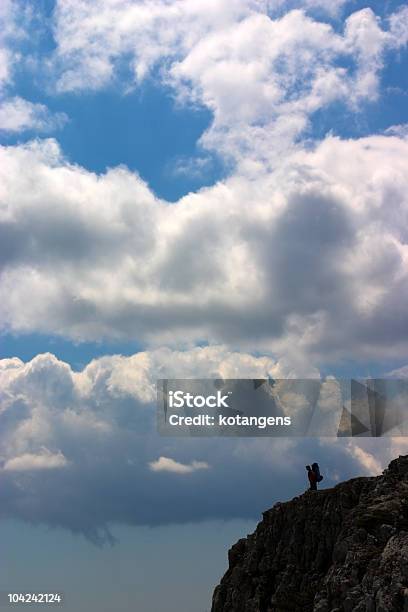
(312, 478)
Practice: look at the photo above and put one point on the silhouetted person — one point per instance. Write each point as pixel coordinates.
(312, 478)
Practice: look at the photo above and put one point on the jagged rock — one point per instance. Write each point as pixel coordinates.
(336, 550)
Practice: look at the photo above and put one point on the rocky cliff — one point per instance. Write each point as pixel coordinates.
(341, 549)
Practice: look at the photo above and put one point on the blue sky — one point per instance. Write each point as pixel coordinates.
(142, 130)
(186, 191)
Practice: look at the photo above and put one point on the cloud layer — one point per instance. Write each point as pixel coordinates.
(300, 251)
(79, 449)
(262, 75)
(311, 259)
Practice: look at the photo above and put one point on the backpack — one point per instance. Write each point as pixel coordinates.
(316, 469)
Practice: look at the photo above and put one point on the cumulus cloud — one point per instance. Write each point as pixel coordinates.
(166, 464)
(301, 251)
(310, 260)
(80, 449)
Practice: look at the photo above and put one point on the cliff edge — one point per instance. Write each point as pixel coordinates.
(340, 549)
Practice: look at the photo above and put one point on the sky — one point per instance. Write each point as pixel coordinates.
(187, 190)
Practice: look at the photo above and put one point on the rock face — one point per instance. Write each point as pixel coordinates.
(341, 549)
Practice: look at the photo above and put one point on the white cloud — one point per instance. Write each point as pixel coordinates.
(400, 130)
(92, 38)
(399, 27)
(17, 115)
(308, 261)
(43, 400)
(371, 464)
(262, 77)
(166, 464)
(192, 167)
(8, 29)
(4, 66)
(255, 72)
(45, 460)
(401, 372)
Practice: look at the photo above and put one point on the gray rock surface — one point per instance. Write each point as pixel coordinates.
(343, 549)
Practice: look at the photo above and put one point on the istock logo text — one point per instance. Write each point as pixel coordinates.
(179, 399)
